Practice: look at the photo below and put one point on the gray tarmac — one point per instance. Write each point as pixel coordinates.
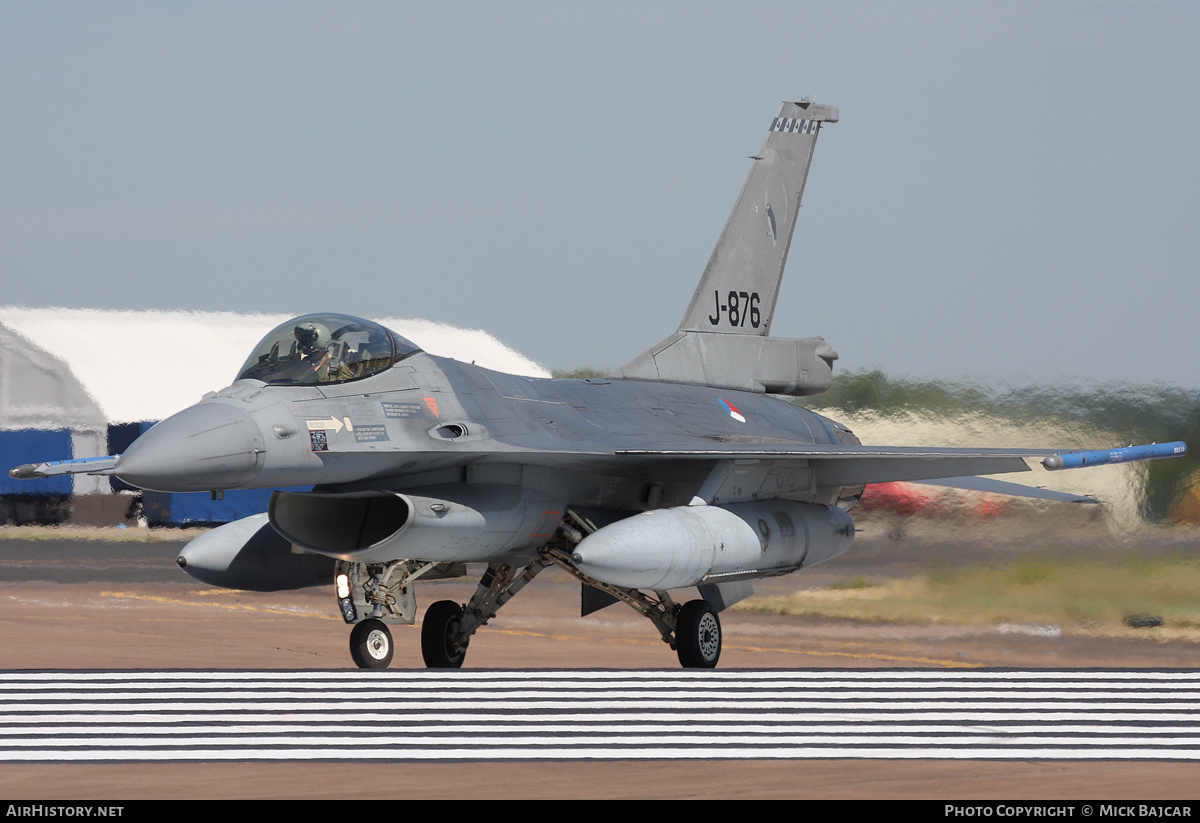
(87, 604)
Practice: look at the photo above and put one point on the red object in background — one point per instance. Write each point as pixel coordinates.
(911, 498)
(900, 498)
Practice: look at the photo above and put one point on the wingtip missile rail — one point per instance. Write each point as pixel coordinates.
(82, 465)
(1125, 454)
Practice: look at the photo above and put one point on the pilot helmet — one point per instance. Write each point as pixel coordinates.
(311, 336)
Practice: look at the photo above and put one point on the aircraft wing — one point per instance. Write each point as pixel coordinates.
(786, 466)
(875, 464)
(854, 465)
(744, 471)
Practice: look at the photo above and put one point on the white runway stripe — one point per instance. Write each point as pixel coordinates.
(422, 715)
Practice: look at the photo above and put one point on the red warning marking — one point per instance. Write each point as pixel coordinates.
(547, 524)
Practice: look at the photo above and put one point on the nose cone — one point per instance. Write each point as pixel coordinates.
(209, 446)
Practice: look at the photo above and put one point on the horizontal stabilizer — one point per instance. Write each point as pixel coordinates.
(992, 486)
(771, 365)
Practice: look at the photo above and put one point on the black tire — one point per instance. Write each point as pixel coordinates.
(441, 621)
(371, 644)
(698, 635)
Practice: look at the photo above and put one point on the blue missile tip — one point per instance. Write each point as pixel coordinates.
(1125, 454)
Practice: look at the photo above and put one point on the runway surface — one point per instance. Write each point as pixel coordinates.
(72, 610)
(505, 716)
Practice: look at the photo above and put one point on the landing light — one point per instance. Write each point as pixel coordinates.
(341, 584)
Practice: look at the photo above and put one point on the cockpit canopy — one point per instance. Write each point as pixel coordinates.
(325, 348)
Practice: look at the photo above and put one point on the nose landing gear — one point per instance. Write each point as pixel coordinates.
(371, 644)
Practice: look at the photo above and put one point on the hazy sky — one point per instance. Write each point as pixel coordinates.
(1013, 190)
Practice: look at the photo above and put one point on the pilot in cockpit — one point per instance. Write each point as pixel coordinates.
(325, 356)
(324, 348)
(314, 347)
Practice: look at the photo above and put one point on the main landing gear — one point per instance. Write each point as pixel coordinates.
(384, 594)
(698, 635)
(442, 644)
(692, 629)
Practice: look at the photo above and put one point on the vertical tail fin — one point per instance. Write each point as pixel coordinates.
(737, 293)
(722, 341)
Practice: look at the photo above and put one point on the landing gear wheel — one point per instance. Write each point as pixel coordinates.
(371, 644)
(698, 635)
(437, 646)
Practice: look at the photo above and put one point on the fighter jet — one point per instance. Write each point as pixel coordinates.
(683, 471)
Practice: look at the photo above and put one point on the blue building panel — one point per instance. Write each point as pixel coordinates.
(35, 446)
(120, 438)
(198, 508)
